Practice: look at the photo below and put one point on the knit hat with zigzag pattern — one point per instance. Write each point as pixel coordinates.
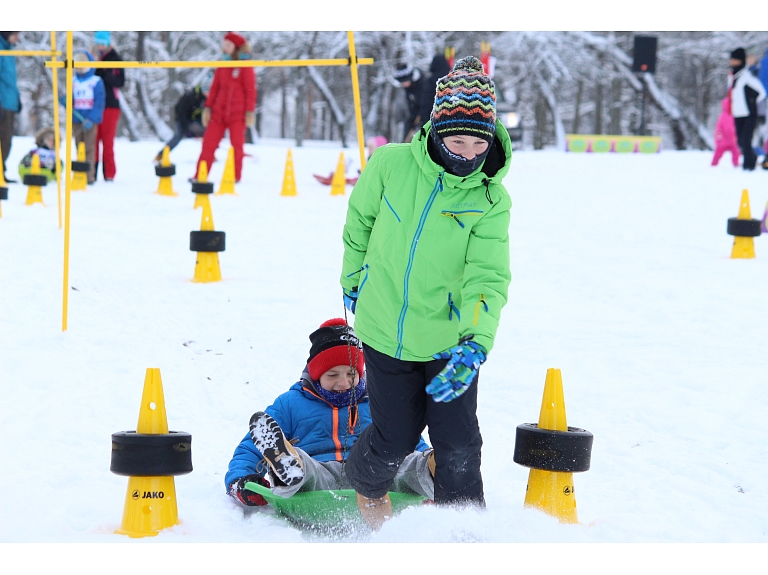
(465, 102)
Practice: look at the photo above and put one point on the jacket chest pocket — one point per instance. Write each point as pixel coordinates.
(452, 221)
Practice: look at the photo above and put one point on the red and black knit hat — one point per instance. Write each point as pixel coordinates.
(236, 39)
(334, 343)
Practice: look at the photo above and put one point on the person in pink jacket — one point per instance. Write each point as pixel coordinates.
(725, 135)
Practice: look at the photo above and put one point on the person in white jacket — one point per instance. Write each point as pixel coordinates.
(746, 92)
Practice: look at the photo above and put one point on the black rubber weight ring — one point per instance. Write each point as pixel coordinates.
(82, 167)
(151, 455)
(744, 228)
(165, 171)
(202, 187)
(35, 180)
(3, 193)
(207, 241)
(553, 450)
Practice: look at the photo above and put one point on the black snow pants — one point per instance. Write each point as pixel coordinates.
(745, 127)
(400, 410)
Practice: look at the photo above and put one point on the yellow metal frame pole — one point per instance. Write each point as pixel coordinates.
(67, 182)
(56, 132)
(216, 63)
(356, 95)
(52, 53)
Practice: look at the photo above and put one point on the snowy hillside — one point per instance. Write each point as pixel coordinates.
(621, 278)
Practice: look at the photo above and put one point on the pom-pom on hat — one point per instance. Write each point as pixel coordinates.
(465, 102)
(334, 343)
(236, 39)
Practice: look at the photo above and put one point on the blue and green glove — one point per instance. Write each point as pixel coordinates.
(350, 299)
(458, 374)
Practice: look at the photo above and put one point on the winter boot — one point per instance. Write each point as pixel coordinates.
(375, 511)
(430, 455)
(283, 460)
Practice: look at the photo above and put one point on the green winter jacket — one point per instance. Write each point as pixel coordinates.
(427, 250)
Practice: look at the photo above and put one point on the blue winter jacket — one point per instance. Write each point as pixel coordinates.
(9, 92)
(323, 431)
(763, 75)
(96, 113)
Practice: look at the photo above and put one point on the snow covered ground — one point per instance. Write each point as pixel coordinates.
(622, 278)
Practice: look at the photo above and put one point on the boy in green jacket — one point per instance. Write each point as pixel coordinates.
(426, 272)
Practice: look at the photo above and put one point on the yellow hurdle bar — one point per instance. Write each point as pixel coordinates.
(50, 53)
(215, 63)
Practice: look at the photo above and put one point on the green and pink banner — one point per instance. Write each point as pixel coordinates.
(599, 143)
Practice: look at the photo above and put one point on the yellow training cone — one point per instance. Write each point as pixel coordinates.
(228, 178)
(202, 178)
(150, 456)
(339, 178)
(80, 170)
(35, 182)
(207, 242)
(165, 170)
(552, 444)
(3, 187)
(744, 229)
(289, 177)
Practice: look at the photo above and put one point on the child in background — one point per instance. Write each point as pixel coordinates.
(189, 112)
(375, 142)
(725, 135)
(88, 109)
(45, 150)
(306, 434)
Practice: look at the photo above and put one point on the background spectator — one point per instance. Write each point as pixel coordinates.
(10, 101)
(746, 91)
(410, 80)
(114, 79)
(230, 104)
(189, 113)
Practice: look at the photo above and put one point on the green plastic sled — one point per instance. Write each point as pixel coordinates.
(327, 510)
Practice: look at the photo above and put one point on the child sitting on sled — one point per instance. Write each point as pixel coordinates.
(45, 144)
(305, 435)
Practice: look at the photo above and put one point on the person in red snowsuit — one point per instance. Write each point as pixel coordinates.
(114, 80)
(230, 104)
(725, 135)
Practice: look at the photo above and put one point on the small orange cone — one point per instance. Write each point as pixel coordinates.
(80, 170)
(339, 181)
(228, 178)
(289, 177)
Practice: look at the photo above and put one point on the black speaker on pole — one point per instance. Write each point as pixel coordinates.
(644, 54)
